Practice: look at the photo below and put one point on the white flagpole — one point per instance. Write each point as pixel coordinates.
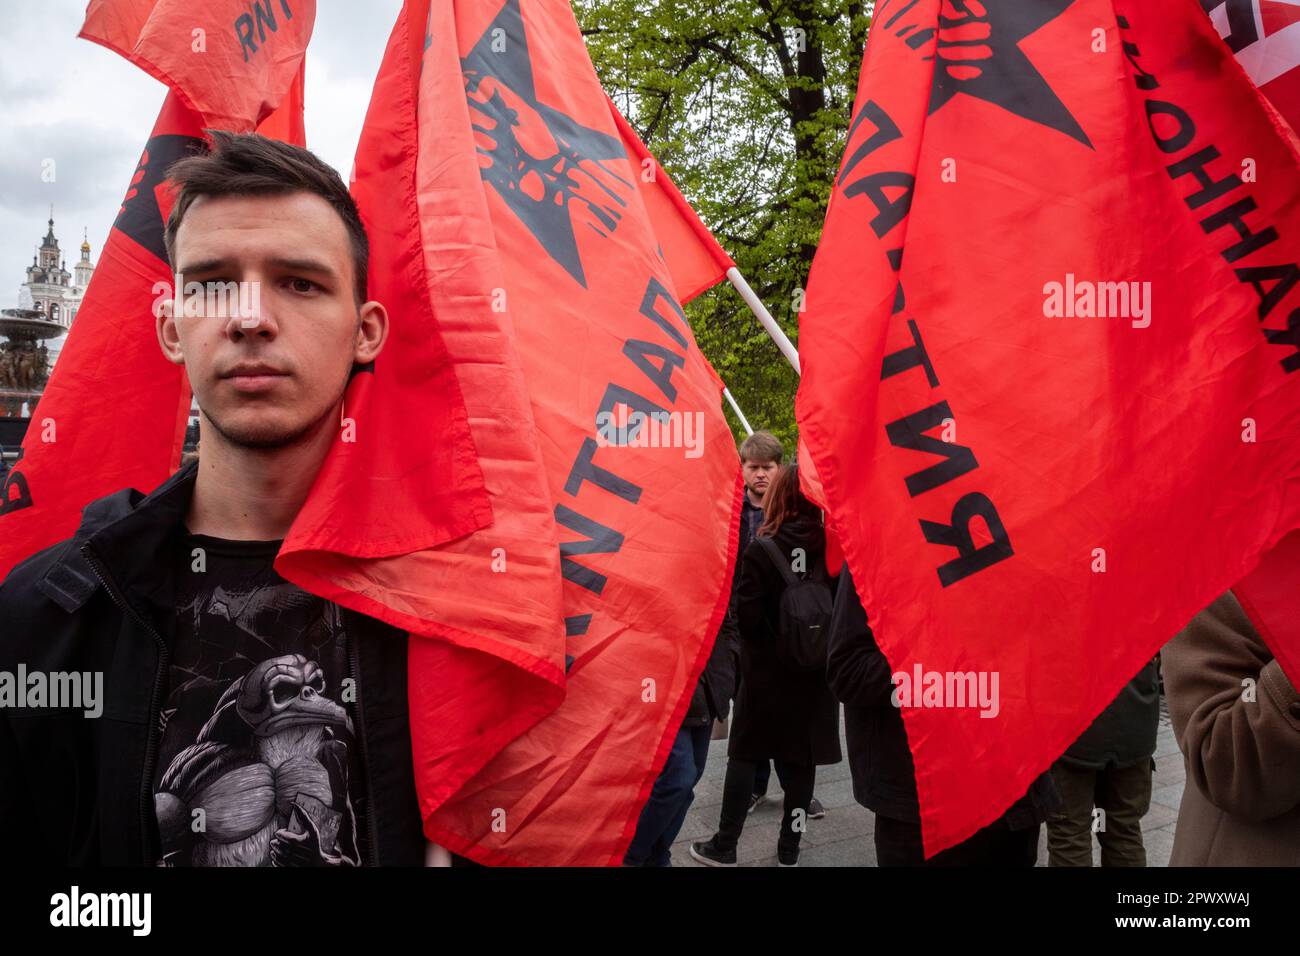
(736, 408)
(765, 318)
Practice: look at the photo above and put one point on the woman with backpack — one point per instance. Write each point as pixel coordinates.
(784, 708)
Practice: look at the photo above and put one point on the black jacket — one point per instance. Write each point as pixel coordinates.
(712, 698)
(1124, 734)
(78, 791)
(751, 516)
(880, 763)
(717, 684)
(780, 713)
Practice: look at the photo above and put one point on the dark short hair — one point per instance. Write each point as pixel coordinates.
(761, 446)
(246, 164)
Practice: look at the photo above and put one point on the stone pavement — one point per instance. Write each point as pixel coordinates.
(844, 836)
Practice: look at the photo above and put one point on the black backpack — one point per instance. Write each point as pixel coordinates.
(805, 612)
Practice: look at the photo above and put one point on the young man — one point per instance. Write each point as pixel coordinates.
(760, 457)
(244, 721)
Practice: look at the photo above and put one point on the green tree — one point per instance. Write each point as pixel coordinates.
(746, 104)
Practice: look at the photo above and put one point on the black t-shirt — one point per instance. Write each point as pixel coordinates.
(259, 764)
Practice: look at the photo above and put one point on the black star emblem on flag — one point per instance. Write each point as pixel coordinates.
(546, 190)
(978, 54)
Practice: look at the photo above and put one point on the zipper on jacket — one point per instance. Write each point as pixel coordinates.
(151, 747)
(354, 659)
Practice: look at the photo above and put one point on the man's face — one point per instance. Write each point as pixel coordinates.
(758, 475)
(267, 381)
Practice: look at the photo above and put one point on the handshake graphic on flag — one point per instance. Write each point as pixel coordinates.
(466, 565)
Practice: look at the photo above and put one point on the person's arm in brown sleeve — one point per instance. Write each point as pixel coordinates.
(1243, 754)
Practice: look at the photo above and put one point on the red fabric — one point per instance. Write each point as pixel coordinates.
(80, 445)
(1265, 36)
(988, 159)
(1270, 596)
(623, 579)
(1277, 15)
(438, 518)
(286, 123)
(694, 258)
(809, 481)
(811, 485)
(231, 61)
(111, 350)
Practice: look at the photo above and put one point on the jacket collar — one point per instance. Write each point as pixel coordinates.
(126, 535)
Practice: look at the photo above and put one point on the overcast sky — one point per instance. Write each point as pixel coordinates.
(90, 111)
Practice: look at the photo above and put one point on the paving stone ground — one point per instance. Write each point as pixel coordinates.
(844, 836)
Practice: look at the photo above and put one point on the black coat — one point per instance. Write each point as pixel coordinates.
(1124, 734)
(717, 684)
(712, 697)
(751, 516)
(880, 763)
(78, 792)
(780, 713)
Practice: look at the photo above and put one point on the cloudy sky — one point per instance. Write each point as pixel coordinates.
(90, 111)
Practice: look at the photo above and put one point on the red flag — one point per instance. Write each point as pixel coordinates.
(1265, 37)
(1270, 596)
(231, 61)
(286, 123)
(1052, 363)
(76, 448)
(433, 511)
(695, 260)
(527, 198)
(693, 257)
